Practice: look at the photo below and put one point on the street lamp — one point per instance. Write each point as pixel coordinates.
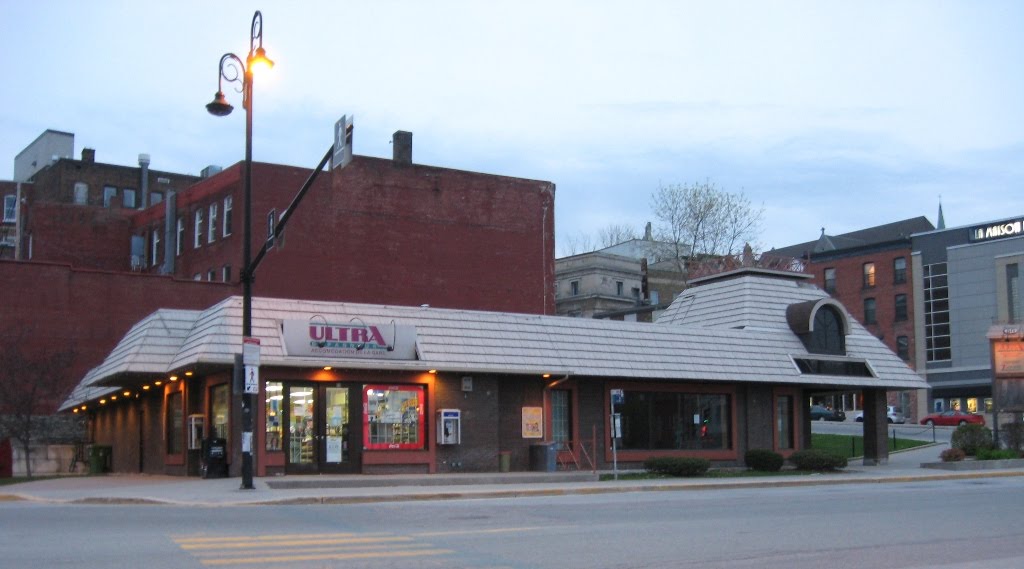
(233, 70)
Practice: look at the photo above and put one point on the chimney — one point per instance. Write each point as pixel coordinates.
(144, 180)
(401, 143)
(89, 155)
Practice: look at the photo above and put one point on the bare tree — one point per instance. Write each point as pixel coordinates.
(28, 388)
(577, 244)
(615, 233)
(701, 219)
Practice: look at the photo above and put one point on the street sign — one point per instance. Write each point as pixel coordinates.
(618, 397)
(252, 379)
(251, 351)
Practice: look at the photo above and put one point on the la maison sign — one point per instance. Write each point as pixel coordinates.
(1000, 230)
(317, 337)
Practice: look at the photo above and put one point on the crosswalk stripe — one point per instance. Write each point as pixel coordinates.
(297, 541)
(326, 556)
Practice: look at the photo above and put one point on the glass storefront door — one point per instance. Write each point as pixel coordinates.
(319, 434)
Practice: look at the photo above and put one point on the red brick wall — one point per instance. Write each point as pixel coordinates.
(87, 311)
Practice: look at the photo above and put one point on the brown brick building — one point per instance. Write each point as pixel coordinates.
(869, 272)
(92, 260)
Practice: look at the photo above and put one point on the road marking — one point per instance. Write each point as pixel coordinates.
(475, 531)
(292, 548)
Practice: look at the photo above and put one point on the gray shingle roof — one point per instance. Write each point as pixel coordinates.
(725, 331)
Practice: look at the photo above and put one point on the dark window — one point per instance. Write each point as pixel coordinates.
(901, 307)
(869, 311)
(619, 288)
(175, 424)
(830, 280)
(936, 313)
(659, 420)
(869, 275)
(10, 208)
(784, 422)
(832, 367)
(574, 288)
(903, 347)
(899, 270)
(228, 216)
(828, 335)
(109, 193)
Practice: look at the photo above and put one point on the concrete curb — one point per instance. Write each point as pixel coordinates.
(681, 485)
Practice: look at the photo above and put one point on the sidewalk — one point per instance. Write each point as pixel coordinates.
(903, 466)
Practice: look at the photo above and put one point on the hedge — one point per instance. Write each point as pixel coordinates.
(677, 466)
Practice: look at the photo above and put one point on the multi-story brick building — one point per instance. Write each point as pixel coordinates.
(870, 272)
(105, 245)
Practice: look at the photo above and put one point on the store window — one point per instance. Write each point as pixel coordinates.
(393, 417)
(220, 403)
(274, 415)
(657, 420)
(175, 424)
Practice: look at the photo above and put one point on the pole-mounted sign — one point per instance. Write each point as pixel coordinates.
(342, 142)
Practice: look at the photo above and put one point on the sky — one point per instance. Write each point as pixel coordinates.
(834, 115)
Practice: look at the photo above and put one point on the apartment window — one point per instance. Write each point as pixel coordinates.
(197, 229)
(179, 242)
(228, 202)
(81, 193)
(636, 293)
(10, 208)
(155, 247)
(901, 307)
(197, 277)
(903, 347)
(109, 193)
(869, 311)
(830, 280)
(211, 275)
(211, 232)
(128, 201)
(574, 288)
(155, 198)
(225, 273)
(869, 275)
(937, 331)
(619, 288)
(899, 270)
(1013, 292)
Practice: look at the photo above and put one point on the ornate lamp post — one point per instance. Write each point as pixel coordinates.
(233, 70)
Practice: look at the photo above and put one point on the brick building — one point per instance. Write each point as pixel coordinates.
(101, 246)
(870, 272)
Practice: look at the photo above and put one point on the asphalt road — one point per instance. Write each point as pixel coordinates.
(948, 524)
(905, 431)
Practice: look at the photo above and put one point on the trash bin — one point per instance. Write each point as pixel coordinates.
(504, 461)
(215, 454)
(543, 457)
(99, 459)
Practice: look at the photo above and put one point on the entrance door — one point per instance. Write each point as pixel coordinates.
(320, 433)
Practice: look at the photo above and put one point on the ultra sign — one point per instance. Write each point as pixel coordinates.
(318, 337)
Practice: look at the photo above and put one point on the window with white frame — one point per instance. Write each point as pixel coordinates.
(179, 243)
(10, 208)
(211, 232)
(81, 193)
(197, 229)
(225, 273)
(228, 203)
(109, 193)
(128, 199)
(155, 247)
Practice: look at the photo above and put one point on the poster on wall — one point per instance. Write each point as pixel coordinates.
(533, 422)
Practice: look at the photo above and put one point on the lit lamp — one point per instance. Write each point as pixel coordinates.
(232, 69)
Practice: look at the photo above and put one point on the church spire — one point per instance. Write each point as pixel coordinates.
(942, 220)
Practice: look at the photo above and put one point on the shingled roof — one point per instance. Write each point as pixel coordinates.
(886, 233)
(726, 330)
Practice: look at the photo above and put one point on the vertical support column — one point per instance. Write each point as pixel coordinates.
(876, 428)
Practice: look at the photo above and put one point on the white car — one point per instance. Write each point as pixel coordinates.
(894, 416)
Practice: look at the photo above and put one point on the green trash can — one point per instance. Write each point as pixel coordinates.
(99, 459)
(504, 461)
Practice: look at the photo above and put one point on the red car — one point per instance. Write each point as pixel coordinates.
(952, 418)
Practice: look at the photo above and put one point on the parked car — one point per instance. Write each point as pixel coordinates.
(952, 418)
(892, 413)
(822, 413)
